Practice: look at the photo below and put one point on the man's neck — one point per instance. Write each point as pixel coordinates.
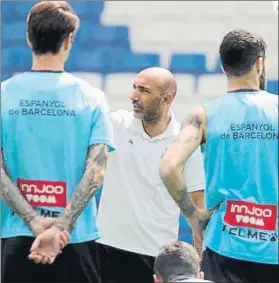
(156, 129)
(47, 62)
(242, 83)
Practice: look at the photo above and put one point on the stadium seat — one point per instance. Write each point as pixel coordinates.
(16, 58)
(85, 60)
(95, 80)
(14, 31)
(218, 65)
(15, 10)
(88, 9)
(185, 233)
(185, 85)
(111, 34)
(134, 62)
(210, 86)
(94, 35)
(188, 63)
(119, 85)
(272, 87)
(5, 75)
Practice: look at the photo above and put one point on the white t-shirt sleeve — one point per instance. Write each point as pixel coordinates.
(194, 172)
(120, 117)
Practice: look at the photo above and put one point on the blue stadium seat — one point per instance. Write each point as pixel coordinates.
(85, 60)
(94, 34)
(96, 59)
(185, 232)
(5, 75)
(89, 9)
(84, 34)
(14, 31)
(134, 62)
(218, 65)
(272, 87)
(15, 10)
(111, 34)
(16, 58)
(188, 63)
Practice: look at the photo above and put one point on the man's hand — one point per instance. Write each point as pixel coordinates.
(39, 224)
(199, 221)
(48, 245)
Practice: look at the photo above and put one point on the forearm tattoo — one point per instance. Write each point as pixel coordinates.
(184, 201)
(189, 141)
(91, 181)
(14, 198)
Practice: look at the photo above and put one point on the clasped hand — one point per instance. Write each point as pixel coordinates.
(49, 242)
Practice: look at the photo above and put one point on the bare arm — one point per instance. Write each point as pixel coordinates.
(14, 198)
(91, 181)
(198, 199)
(171, 169)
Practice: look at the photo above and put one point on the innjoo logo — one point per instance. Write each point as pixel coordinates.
(251, 215)
(44, 193)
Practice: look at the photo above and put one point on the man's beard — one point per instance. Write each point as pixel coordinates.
(153, 113)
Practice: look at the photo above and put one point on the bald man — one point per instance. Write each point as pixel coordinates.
(136, 214)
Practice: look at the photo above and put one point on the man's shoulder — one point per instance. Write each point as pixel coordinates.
(20, 78)
(122, 117)
(89, 90)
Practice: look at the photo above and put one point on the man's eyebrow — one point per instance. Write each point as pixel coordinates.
(143, 88)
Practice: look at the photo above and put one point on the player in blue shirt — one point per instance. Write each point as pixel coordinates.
(56, 134)
(239, 135)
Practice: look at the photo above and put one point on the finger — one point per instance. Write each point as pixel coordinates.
(51, 259)
(34, 256)
(35, 244)
(37, 258)
(67, 235)
(61, 246)
(64, 239)
(44, 258)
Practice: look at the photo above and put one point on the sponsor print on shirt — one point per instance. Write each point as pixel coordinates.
(44, 193)
(258, 220)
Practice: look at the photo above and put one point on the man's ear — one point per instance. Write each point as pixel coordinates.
(260, 65)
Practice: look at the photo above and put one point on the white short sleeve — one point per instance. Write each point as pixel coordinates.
(194, 172)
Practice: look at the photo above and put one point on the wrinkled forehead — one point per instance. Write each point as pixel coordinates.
(148, 81)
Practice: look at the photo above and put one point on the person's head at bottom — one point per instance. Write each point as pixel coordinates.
(153, 92)
(51, 26)
(177, 262)
(243, 58)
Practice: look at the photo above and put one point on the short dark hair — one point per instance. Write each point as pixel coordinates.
(239, 51)
(177, 260)
(49, 23)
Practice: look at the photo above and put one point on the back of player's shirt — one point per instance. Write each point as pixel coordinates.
(49, 119)
(241, 164)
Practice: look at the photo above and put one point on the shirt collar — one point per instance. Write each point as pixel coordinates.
(136, 127)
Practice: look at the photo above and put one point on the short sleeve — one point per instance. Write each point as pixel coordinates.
(194, 172)
(101, 131)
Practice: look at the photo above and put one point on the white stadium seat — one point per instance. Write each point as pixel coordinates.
(119, 85)
(94, 79)
(211, 86)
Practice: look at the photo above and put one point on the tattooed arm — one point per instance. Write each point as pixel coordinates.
(16, 201)
(91, 181)
(171, 169)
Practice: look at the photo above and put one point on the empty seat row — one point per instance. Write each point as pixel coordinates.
(120, 85)
(106, 58)
(18, 10)
(89, 34)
